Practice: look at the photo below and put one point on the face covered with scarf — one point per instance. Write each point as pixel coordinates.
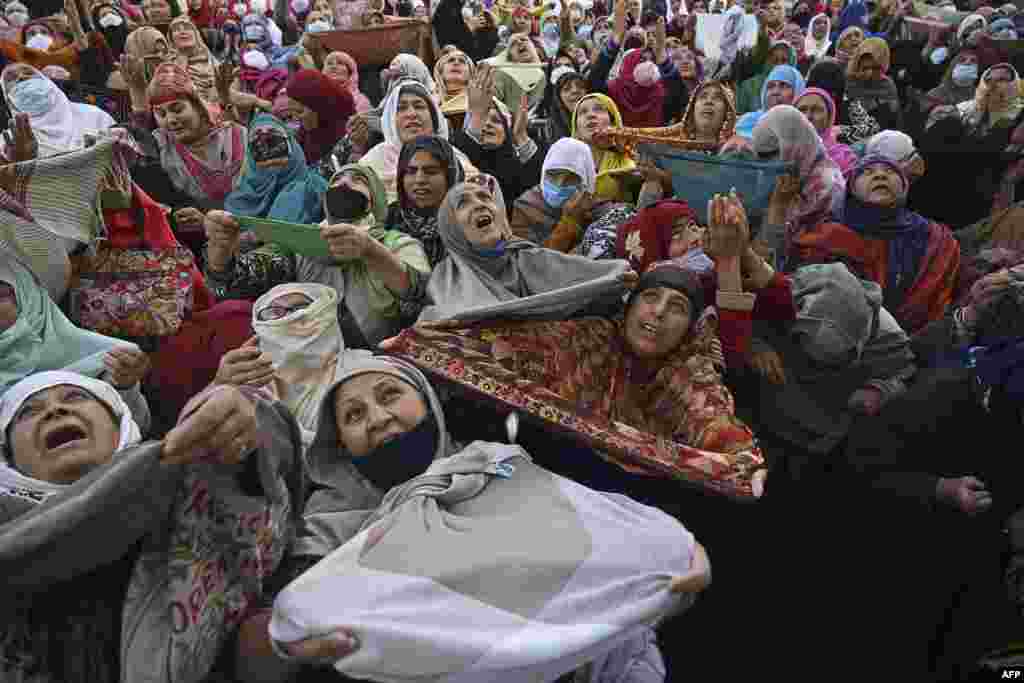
(356, 196)
(58, 426)
(660, 312)
(568, 171)
(388, 423)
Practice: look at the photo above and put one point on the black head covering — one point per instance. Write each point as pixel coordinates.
(115, 35)
(441, 150)
(830, 76)
(673, 277)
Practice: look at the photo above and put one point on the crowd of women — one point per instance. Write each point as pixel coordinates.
(279, 283)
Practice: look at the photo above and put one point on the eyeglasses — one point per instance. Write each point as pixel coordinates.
(278, 312)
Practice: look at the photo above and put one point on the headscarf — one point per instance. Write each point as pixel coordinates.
(642, 105)
(981, 120)
(469, 284)
(378, 196)
(128, 431)
(844, 157)
(406, 67)
(785, 130)
(877, 48)
(361, 101)
(782, 73)
(894, 145)
(42, 338)
(883, 90)
(814, 48)
(114, 35)
(854, 15)
(968, 23)
(305, 347)
(647, 238)
(292, 193)
(202, 17)
(456, 104)
(842, 55)
(344, 498)
(64, 124)
(141, 43)
(526, 76)
(948, 92)
(728, 123)
(200, 62)
(612, 160)
(332, 104)
(732, 32)
(830, 76)
(384, 157)
(559, 123)
(570, 154)
(422, 223)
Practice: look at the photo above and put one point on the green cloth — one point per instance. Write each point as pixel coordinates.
(42, 337)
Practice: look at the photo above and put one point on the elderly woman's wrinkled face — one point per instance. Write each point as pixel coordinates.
(709, 112)
(181, 120)
(572, 92)
(183, 35)
(413, 118)
(522, 51)
(816, 110)
(478, 214)
(591, 116)
(656, 322)
(336, 69)
(425, 181)
(8, 306)
(778, 92)
(60, 434)
(819, 28)
(283, 306)
(879, 186)
(686, 235)
(374, 408)
(156, 11)
(493, 132)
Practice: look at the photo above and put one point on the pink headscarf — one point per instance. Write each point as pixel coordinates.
(361, 101)
(844, 157)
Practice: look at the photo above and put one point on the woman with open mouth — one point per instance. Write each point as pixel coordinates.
(91, 513)
(452, 74)
(519, 72)
(488, 273)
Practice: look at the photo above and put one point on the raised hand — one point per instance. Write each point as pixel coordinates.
(520, 125)
(579, 207)
(26, 147)
(125, 367)
(246, 365)
(728, 234)
(660, 39)
(133, 70)
(219, 426)
(479, 93)
(619, 25)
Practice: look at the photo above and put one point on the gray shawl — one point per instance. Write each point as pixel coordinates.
(842, 340)
(526, 281)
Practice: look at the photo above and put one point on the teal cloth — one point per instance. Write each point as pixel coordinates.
(42, 338)
(697, 177)
(293, 194)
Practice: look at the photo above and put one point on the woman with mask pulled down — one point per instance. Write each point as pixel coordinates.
(382, 425)
(94, 516)
(374, 270)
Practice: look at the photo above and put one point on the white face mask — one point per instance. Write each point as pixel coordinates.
(110, 21)
(318, 26)
(39, 41)
(254, 59)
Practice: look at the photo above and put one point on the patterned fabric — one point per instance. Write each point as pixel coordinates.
(599, 238)
(134, 292)
(677, 421)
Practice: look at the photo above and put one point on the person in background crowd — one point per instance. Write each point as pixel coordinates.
(321, 108)
(341, 68)
(853, 121)
(820, 109)
(783, 85)
(868, 82)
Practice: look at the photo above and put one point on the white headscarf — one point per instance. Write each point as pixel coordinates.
(11, 480)
(894, 145)
(570, 154)
(812, 48)
(62, 128)
(305, 347)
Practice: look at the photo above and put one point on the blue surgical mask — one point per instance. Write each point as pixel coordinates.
(939, 55)
(318, 26)
(32, 97)
(557, 195)
(965, 74)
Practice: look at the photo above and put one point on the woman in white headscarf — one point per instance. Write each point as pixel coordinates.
(91, 517)
(817, 42)
(410, 112)
(59, 124)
